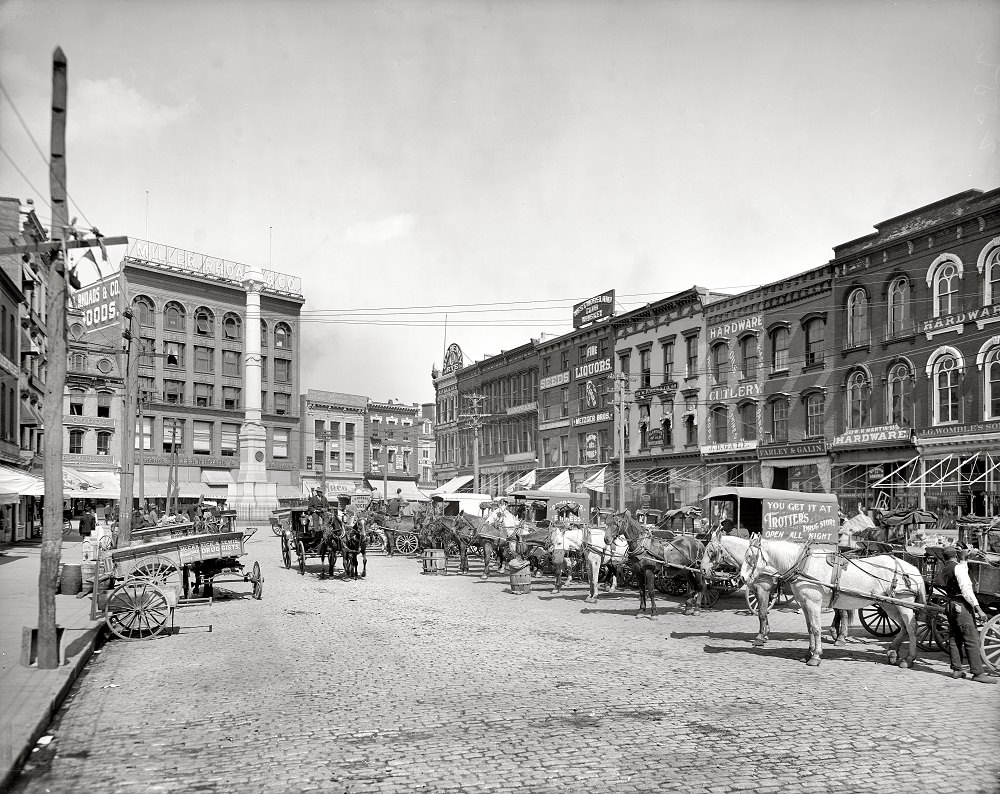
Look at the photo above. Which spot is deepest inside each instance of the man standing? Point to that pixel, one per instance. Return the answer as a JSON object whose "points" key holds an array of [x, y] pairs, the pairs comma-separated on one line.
{"points": [[394, 511], [88, 523], [962, 605]]}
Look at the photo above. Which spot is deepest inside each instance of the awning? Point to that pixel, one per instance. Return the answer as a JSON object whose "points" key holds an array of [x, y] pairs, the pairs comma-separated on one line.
{"points": [[409, 489], [455, 484], [103, 484], [151, 489], [30, 416], [217, 477], [20, 483], [560, 482], [525, 481], [595, 482]]}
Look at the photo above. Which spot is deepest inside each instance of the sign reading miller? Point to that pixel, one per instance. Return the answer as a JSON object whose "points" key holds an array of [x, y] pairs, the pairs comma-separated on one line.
{"points": [[593, 309]]}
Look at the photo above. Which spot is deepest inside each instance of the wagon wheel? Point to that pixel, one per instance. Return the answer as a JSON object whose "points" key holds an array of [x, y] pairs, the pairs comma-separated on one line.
{"points": [[406, 542], [989, 643], [159, 570], [137, 611], [877, 621], [711, 598], [301, 551], [474, 550], [374, 540], [257, 579], [286, 552], [752, 599], [932, 630]]}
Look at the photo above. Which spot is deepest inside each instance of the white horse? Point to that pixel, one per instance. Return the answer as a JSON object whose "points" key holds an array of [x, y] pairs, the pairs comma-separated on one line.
{"points": [[819, 578], [596, 552]]}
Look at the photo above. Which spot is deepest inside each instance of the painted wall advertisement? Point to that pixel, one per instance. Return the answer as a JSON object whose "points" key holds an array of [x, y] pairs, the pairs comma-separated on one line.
{"points": [[800, 521], [99, 303]]}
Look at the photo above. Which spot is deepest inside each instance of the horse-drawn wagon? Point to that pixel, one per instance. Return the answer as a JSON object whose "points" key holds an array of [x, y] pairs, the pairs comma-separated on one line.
{"points": [[152, 577]]}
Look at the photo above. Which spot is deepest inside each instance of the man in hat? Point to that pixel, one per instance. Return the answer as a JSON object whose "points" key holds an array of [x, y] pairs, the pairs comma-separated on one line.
{"points": [[394, 510], [962, 606]]}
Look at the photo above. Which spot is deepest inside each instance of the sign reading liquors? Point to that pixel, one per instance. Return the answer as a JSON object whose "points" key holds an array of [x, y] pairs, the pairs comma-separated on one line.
{"points": [[800, 520], [593, 309], [592, 368]]}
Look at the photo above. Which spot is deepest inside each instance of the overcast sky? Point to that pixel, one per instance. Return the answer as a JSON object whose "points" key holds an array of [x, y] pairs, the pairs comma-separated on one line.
{"points": [[408, 159]]}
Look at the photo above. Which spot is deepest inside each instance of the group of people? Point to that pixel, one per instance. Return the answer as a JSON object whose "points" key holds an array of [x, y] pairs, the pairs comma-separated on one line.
{"points": [[390, 514]]}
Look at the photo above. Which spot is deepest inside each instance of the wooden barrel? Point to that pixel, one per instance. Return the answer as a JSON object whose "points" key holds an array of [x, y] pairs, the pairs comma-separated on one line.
{"points": [[435, 561], [87, 575], [71, 579], [520, 581]]}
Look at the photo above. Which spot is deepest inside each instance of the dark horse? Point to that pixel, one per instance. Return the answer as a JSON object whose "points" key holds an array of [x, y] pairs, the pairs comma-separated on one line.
{"points": [[332, 540], [353, 542], [680, 557]]}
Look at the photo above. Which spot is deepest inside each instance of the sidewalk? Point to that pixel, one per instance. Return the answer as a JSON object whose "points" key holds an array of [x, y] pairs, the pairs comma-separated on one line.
{"points": [[29, 697]]}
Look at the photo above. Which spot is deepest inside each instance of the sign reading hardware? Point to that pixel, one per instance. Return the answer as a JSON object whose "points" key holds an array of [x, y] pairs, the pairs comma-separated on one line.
{"points": [[860, 436], [593, 309], [589, 419], [736, 327]]}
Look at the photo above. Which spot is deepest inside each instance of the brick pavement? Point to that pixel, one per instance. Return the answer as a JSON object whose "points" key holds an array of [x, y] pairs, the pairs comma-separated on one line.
{"points": [[406, 682]]}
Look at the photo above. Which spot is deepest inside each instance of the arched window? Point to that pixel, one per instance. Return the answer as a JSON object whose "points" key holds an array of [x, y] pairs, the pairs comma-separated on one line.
{"points": [[900, 395], [858, 397], [899, 306], [748, 357], [779, 419], [232, 327], [815, 331], [748, 421], [103, 443], [857, 319], [780, 340], [78, 362], [720, 424], [720, 363], [145, 311], [282, 337], [815, 404], [204, 322], [173, 317], [263, 335], [946, 279], [991, 379], [946, 382]]}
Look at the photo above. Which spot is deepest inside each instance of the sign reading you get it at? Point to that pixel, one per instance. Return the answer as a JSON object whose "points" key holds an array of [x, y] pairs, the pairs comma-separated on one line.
{"points": [[800, 521]]}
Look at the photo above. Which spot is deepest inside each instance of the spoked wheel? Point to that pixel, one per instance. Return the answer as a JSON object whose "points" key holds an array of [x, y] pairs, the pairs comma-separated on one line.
{"points": [[286, 552], [452, 549], [301, 549], [474, 550], [159, 570], [137, 610], [989, 643], [932, 630], [257, 579], [276, 529], [877, 621], [406, 542], [711, 597], [772, 598], [628, 577], [374, 540]]}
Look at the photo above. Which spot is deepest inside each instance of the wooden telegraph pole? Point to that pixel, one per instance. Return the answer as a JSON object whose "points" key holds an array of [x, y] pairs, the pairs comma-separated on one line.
{"points": [[58, 278], [475, 422], [622, 386], [128, 422]]}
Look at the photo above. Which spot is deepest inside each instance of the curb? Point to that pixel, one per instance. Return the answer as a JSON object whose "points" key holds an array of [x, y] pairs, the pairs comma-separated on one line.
{"points": [[47, 712]]}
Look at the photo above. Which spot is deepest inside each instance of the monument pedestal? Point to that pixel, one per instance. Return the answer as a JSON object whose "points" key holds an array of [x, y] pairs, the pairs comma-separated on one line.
{"points": [[253, 501]]}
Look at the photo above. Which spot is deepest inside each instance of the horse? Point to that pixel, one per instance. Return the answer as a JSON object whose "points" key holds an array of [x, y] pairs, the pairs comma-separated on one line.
{"points": [[536, 544], [493, 534], [598, 554], [331, 541], [646, 555], [819, 578], [353, 543]]}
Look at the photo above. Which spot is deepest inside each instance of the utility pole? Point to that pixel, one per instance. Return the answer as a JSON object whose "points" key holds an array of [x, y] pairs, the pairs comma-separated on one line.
{"points": [[59, 278], [141, 471], [476, 421], [622, 388], [172, 484], [325, 437], [131, 372], [385, 469]]}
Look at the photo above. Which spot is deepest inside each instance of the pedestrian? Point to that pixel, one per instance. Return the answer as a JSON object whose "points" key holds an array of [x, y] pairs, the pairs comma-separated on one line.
{"points": [[88, 523], [152, 517], [394, 510], [962, 605]]}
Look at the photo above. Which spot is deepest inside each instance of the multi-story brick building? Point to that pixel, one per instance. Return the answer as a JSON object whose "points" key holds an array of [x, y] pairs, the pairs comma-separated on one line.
{"points": [[335, 456], [917, 409], [426, 448], [393, 441]]}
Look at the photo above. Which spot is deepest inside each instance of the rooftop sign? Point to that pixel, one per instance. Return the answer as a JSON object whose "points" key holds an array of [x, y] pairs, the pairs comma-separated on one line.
{"points": [[594, 309]]}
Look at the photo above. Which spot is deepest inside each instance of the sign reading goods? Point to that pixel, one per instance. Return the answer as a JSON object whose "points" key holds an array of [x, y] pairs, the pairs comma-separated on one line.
{"points": [[99, 302]]}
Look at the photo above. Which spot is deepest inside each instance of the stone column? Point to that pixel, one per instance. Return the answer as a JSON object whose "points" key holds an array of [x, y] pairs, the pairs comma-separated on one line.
{"points": [[252, 496]]}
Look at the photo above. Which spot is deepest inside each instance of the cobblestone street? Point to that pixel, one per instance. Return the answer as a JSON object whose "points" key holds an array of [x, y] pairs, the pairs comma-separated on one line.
{"points": [[411, 682]]}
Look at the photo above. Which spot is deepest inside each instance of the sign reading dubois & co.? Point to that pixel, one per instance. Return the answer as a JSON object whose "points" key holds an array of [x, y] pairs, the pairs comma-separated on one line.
{"points": [[593, 309]]}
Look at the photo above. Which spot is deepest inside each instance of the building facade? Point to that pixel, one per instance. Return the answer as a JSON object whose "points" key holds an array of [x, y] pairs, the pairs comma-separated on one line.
{"points": [[190, 324], [918, 349], [393, 443], [426, 447], [333, 448]]}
